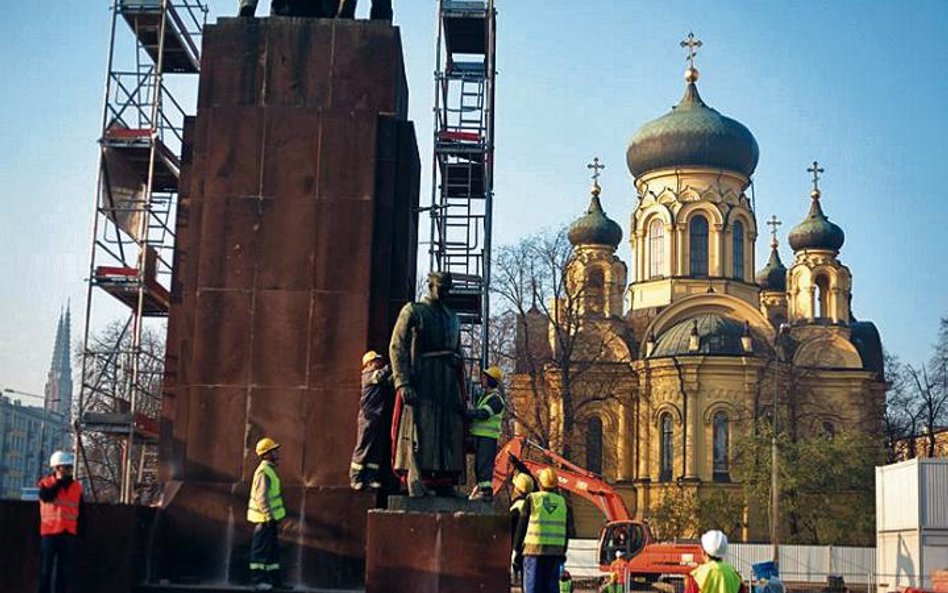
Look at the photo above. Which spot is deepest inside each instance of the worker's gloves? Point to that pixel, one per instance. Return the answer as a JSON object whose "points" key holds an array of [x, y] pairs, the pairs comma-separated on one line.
{"points": [[476, 414], [409, 397], [64, 481]]}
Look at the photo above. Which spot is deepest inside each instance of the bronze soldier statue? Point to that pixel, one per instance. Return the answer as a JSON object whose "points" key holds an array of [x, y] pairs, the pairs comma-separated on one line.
{"points": [[425, 354]]}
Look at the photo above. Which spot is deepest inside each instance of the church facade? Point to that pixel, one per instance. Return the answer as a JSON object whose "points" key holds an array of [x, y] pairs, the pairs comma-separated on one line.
{"points": [[701, 347]]}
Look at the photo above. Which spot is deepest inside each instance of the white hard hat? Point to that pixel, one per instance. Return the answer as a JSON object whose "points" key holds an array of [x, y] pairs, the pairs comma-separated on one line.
{"points": [[62, 458], [714, 543]]}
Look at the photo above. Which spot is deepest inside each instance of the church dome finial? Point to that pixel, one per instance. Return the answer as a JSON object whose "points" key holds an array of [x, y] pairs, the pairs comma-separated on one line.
{"points": [[692, 134], [595, 228], [773, 276], [816, 231]]}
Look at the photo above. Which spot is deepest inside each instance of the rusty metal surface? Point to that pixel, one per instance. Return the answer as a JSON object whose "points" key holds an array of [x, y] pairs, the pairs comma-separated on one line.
{"points": [[437, 552], [297, 229], [111, 555]]}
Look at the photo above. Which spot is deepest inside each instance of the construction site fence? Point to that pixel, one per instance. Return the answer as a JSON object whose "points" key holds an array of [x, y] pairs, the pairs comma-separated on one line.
{"points": [[798, 564]]}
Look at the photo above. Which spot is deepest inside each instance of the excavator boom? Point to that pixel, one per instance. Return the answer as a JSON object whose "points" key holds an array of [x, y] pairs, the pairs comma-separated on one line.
{"points": [[524, 455]]}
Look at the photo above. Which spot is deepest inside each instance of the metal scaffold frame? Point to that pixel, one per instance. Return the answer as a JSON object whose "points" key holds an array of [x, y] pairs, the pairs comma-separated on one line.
{"points": [[133, 230], [462, 176]]}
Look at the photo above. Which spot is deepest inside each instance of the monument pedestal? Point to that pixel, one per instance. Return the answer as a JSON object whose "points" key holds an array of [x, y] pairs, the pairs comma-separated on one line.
{"points": [[426, 551], [296, 247]]}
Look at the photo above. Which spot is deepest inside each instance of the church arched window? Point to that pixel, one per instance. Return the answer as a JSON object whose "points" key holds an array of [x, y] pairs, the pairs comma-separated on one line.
{"points": [[720, 440], [594, 445], [698, 240], [738, 235], [595, 278], [656, 247], [822, 298], [666, 455]]}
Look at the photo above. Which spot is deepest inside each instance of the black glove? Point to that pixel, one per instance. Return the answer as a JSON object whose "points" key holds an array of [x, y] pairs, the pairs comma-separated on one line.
{"points": [[470, 414], [64, 481]]}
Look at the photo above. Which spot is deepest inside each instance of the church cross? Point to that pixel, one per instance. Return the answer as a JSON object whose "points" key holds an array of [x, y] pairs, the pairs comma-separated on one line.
{"points": [[596, 166], [773, 223], [816, 170], [692, 43]]}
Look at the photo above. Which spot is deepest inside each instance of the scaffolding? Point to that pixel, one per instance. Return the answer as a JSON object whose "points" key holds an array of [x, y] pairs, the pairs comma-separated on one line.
{"points": [[462, 176], [133, 233]]}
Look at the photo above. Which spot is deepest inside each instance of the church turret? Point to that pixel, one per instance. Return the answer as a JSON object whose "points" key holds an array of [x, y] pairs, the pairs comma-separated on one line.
{"points": [[693, 229], [595, 267], [772, 279], [819, 285]]}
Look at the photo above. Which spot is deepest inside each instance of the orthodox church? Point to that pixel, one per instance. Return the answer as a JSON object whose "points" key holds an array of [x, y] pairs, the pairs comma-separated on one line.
{"points": [[699, 346]]}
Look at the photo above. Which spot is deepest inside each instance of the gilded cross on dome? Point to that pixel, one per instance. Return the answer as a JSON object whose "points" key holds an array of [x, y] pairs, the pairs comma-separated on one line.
{"points": [[816, 170], [773, 223], [692, 43], [596, 166]]}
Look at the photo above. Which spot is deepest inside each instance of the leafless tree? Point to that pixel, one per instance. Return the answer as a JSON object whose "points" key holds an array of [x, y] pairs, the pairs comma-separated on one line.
{"points": [[563, 356], [108, 386]]}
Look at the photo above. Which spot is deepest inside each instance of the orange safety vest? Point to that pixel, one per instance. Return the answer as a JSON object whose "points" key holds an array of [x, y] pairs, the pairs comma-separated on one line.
{"points": [[618, 569], [62, 514]]}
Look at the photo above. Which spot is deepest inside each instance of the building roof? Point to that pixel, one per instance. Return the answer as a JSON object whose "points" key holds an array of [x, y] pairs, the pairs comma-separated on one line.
{"points": [[594, 227], [693, 134], [865, 337], [816, 231], [718, 335], [773, 276]]}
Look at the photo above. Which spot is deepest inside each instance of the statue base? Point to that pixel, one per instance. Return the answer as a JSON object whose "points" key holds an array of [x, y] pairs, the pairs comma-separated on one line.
{"points": [[437, 552], [440, 504]]}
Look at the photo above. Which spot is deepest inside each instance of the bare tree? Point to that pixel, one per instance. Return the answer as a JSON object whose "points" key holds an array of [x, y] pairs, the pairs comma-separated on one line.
{"points": [[566, 358], [917, 402], [109, 384]]}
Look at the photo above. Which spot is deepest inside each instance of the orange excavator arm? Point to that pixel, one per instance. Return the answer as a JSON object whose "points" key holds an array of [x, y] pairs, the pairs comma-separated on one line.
{"points": [[522, 455]]}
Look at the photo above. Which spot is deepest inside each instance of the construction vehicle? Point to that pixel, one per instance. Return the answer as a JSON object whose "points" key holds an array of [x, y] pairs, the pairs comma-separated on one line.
{"points": [[647, 560]]}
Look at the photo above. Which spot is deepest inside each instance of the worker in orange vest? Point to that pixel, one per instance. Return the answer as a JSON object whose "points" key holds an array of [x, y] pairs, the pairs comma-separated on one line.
{"points": [[618, 575], [714, 575], [61, 523]]}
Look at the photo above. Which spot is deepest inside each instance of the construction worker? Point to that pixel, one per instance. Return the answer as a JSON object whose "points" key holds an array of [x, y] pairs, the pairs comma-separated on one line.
{"points": [[714, 575], [265, 510], [522, 486], [374, 423], [61, 523], [486, 420], [541, 534], [618, 575]]}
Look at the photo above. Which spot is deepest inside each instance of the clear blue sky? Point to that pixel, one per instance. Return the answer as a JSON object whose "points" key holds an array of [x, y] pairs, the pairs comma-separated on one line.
{"points": [[857, 84]]}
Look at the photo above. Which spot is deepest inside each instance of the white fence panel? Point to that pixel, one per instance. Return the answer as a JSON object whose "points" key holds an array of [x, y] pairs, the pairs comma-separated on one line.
{"points": [[811, 564]]}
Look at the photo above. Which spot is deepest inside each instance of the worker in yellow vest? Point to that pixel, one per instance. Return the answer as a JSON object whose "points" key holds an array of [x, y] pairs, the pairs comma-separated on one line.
{"points": [[522, 486], [541, 534], [714, 575], [486, 422], [265, 510]]}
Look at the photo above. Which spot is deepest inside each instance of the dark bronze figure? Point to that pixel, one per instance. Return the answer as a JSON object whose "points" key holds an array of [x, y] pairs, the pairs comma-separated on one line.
{"points": [[425, 353]]}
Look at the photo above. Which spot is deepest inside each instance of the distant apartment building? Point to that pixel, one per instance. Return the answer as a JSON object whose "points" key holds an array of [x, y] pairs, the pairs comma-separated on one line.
{"points": [[30, 434]]}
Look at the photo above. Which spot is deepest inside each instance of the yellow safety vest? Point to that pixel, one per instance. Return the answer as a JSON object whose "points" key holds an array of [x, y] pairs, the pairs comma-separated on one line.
{"points": [[546, 529], [274, 494], [489, 428], [716, 576]]}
